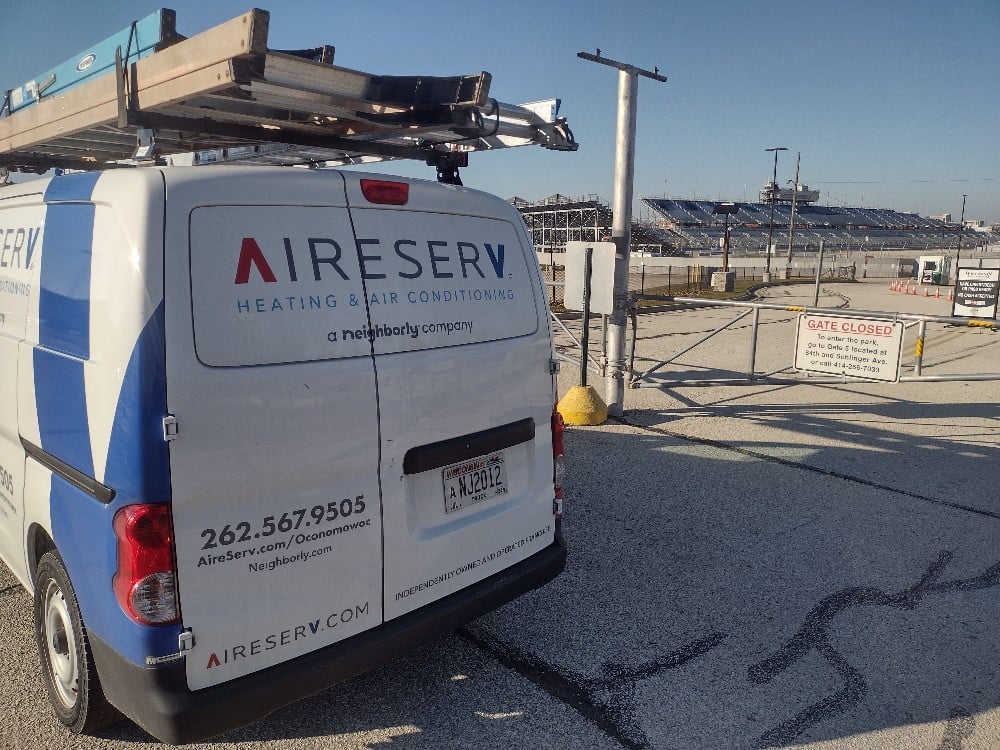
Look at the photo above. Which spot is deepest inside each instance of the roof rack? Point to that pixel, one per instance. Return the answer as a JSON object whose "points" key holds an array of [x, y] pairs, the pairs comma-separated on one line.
{"points": [[223, 96]]}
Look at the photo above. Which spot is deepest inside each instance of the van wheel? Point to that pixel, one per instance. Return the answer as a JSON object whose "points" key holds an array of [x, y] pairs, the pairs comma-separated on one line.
{"points": [[67, 664]]}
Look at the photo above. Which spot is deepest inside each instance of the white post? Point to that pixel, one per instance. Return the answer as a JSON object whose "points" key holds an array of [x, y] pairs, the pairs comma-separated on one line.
{"points": [[614, 391]]}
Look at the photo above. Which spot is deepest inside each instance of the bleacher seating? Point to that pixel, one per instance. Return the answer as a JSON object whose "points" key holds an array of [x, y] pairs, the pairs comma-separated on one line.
{"points": [[681, 226], [843, 227]]}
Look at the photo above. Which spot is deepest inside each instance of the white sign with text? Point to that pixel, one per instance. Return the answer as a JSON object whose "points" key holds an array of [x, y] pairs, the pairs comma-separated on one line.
{"points": [[602, 276], [853, 347]]}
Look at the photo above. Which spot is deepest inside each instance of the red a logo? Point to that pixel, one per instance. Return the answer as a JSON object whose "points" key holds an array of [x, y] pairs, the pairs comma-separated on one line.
{"points": [[250, 252]]}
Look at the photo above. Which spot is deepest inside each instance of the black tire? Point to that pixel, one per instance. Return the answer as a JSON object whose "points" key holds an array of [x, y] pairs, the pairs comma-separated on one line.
{"points": [[64, 651]]}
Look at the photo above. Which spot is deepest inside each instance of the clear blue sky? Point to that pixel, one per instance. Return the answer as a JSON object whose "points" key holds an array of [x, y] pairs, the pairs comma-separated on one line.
{"points": [[892, 103]]}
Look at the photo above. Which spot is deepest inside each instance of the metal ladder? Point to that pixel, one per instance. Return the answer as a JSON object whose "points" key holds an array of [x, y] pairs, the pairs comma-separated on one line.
{"points": [[224, 96]]}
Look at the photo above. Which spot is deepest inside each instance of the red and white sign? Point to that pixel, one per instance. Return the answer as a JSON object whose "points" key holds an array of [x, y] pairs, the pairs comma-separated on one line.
{"points": [[852, 347]]}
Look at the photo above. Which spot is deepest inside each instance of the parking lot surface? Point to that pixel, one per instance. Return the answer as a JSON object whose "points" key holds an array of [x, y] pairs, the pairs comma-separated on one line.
{"points": [[751, 566]]}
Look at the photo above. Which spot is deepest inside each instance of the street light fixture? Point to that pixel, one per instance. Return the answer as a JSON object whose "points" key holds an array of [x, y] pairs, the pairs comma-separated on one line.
{"points": [[774, 195]]}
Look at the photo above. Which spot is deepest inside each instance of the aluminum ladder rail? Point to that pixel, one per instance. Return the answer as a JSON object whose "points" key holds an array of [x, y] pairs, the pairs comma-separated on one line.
{"points": [[224, 89]]}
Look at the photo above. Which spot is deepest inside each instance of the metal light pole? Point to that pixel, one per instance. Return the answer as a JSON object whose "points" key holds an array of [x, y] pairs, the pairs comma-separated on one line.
{"points": [[727, 210], [961, 226], [795, 195], [628, 89], [770, 228]]}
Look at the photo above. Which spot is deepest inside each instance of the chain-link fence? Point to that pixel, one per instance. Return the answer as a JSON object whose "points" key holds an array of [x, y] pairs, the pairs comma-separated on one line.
{"points": [[678, 280]]}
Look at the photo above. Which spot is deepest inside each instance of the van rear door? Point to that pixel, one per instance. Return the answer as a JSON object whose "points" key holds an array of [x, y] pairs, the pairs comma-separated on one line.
{"points": [[274, 464], [462, 352]]}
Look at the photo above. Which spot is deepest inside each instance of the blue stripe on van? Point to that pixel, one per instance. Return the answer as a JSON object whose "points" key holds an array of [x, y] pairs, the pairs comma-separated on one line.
{"points": [[61, 404], [64, 321], [138, 464], [72, 187], [64, 295]]}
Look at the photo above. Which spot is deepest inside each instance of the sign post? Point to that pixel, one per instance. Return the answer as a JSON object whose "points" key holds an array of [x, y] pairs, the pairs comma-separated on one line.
{"points": [[585, 340], [590, 269]]}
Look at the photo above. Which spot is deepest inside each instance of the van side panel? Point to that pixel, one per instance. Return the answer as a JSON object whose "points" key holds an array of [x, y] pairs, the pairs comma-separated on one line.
{"points": [[21, 220], [137, 470], [91, 384], [64, 321]]}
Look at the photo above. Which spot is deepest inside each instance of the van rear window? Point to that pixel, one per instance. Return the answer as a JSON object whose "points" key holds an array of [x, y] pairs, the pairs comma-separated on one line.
{"points": [[276, 284]]}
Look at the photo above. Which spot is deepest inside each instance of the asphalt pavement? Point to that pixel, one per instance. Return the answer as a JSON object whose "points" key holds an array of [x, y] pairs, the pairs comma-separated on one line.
{"points": [[791, 565]]}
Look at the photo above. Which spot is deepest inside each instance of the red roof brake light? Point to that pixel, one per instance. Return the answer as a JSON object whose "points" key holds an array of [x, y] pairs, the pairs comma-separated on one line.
{"points": [[384, 191]]}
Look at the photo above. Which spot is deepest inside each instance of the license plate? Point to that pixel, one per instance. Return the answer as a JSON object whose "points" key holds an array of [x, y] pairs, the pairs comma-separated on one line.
{"points": [[474, 481]]}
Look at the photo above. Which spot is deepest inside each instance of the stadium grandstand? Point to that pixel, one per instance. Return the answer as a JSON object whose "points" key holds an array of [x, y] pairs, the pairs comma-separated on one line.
{"points": [[559, 218], [680, 227]]}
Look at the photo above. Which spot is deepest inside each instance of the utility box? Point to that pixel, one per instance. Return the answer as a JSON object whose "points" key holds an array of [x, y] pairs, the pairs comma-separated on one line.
{"points": [[723, 281], [934, 269], [602, 276]]}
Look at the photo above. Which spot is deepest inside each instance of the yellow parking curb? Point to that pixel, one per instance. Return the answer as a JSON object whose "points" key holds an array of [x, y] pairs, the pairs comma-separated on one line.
{"points": [[581, 405]]}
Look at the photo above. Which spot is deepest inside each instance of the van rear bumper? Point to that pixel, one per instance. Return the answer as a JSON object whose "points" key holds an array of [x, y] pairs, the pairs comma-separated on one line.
{"points": [[157, 699]]}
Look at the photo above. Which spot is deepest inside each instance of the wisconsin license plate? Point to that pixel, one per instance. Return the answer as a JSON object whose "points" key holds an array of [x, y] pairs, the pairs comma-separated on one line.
{"points": [[474, 481]]}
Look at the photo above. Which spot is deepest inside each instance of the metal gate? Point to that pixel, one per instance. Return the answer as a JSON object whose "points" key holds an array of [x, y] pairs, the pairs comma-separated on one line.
{"points": [[788, 373], [923, 334]]}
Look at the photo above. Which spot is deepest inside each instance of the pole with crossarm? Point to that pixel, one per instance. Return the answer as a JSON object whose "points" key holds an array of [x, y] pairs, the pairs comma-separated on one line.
{"points": [[628, 89]]}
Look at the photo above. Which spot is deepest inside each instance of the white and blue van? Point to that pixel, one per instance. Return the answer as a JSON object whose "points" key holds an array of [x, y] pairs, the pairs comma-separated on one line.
{"points": [[263, 428]]}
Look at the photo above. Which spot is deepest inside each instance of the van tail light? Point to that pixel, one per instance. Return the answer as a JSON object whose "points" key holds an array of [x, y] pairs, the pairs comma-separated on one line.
{"points": [[145, 583], [383, 191], [558, 462]]}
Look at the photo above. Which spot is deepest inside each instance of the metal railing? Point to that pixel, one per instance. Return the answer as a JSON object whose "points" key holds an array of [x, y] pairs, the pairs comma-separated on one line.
{"points": [[752, 376]]}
